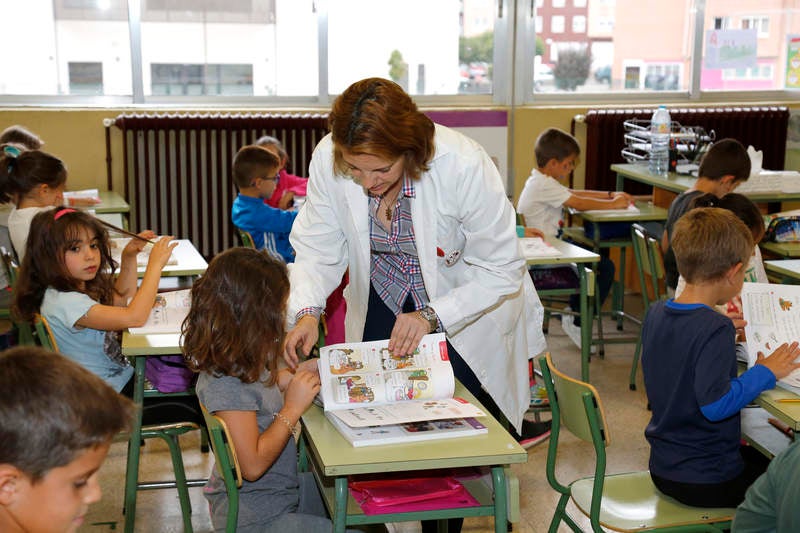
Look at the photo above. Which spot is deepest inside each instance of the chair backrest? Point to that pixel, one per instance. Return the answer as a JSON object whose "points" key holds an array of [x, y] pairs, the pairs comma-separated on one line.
{"points": [[44, 333], [247, 239], [649, 264], [227, 463], [10, 265]]}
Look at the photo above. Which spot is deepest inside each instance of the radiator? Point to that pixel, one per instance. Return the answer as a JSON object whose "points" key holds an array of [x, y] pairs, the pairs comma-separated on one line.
{"points": [[763, 127], [177, 168]]}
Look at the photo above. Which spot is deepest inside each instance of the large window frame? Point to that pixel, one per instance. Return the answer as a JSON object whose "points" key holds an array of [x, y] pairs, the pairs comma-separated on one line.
{"points": [[514, 33]]}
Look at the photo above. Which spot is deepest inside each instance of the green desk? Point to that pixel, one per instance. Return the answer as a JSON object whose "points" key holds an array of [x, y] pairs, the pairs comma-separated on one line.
{"points": [[786, 250], [787, 269], [111, 202], [571, 254], [647, 213], [334, 459], [187, 260]]}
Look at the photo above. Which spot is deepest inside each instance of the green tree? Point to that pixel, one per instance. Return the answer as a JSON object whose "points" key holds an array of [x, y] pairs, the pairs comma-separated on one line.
{"points": [[539, 46], [479, 48], [398, 69], [572, 68]]}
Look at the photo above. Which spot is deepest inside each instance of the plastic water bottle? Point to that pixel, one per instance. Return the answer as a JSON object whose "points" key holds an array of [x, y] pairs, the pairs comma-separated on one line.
{"points": [[660, 127]]}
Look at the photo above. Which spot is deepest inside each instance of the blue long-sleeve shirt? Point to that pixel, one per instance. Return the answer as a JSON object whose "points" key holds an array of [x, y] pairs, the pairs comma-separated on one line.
{"points": [[268, 225]]}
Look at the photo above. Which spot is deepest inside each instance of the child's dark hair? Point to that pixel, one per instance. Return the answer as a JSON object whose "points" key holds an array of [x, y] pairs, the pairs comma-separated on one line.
{"points": [[740, 205], [52, 409], [554, 143], [235, 326], [20, 135], [23, 170], [726, 157], [269, 140], [52, 233], [253, 162]]}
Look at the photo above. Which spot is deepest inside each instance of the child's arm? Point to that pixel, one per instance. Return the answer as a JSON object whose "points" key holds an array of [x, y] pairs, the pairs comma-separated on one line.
{"points": [[111, 317], [257, 452], [533, 232], [601, 195], [286, 375], [126, 284], [612, 200]]}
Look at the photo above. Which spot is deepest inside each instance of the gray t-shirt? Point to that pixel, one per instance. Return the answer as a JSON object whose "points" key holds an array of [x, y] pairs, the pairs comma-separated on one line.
{"points": [[276, 492]]}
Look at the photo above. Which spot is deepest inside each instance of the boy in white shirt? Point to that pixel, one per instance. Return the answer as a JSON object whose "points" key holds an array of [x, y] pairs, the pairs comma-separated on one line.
{"points": [[542, 202]]}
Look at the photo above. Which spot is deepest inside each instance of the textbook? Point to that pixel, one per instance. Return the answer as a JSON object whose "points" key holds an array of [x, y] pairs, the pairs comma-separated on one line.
{"points": [[533, 247], [409, 432], [772, 313], [364, 384], [117, 244], [169, 311]]}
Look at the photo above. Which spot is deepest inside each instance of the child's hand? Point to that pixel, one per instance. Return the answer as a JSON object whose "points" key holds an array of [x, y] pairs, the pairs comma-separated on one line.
{"points": [[782, 361], [629, 199], [533, 232], [301, 391], [620, 201], [135, 246], [309, 365], [161, 251], [286, 200]]}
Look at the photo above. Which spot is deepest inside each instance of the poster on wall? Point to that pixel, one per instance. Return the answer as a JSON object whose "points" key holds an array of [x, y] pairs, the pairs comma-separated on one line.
{"points": [[793, 61], [731, 48]]}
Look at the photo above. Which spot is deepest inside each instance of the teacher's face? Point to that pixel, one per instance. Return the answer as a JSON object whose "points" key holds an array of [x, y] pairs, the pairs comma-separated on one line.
{"points": [[377, 175]]}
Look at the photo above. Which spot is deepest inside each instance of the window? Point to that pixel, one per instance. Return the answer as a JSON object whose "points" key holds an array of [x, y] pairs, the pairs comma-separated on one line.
{"points": [[85, 78], [579, 24], [760, 24], [722, 23], [538, 24], [579, 3], [662, 77], [559, 3], [201, 80], [557, 24]]}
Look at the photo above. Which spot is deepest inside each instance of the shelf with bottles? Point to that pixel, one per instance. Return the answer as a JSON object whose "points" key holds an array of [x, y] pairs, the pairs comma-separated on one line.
{"points": [[690, 142]]}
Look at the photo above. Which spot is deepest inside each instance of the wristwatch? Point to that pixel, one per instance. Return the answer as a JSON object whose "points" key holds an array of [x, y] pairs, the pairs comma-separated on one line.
{"points": [[429, 315]]}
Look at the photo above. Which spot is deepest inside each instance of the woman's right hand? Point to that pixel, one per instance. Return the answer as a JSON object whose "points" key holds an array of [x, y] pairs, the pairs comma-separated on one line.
{"points": [[301, 391], [162, 249], [302, 336]]}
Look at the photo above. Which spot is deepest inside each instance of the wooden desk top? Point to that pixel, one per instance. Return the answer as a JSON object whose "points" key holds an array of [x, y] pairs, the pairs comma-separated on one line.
{"points": [[647, 212], [337, 457], [111, 202], [150, 344], [569, 254]]}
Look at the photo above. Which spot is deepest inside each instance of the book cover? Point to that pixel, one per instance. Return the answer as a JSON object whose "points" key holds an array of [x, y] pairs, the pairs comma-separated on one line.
{"points": [[409, 432], [169, 311]]}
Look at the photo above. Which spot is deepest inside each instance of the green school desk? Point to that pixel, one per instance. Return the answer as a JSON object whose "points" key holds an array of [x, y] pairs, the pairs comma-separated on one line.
{"points": [[138, 347], [647, 213], [788, 270], [784, 250], [334, 460], [186, 261], [111, 202], [571, 254]]}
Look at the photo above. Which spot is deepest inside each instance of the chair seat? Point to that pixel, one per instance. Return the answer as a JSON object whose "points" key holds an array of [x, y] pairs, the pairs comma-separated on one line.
{"points": [[632, 503]]}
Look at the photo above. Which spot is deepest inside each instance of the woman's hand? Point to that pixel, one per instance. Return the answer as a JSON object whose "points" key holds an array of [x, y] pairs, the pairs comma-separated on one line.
{"points": [[301, 391], [409, 328], [162, 249], [782, 361], [135, 246], [302, 336]]}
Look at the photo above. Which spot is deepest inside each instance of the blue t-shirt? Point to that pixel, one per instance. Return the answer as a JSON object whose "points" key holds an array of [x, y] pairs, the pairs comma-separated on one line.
{"points": [[97, 351], [268, 225], [689, 367]]}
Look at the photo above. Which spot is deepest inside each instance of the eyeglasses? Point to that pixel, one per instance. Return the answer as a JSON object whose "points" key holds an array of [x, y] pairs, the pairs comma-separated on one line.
{"points": [[276, 178]]}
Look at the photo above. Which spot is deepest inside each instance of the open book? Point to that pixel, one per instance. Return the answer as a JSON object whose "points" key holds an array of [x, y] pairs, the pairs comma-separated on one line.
{"points": [[533, 247], [772, 313], [169, 311], [117, 244], [363, 384]]}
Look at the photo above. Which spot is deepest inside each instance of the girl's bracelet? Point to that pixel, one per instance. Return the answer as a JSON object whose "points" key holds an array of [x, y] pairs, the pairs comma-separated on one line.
{"points": [[292, 429]]}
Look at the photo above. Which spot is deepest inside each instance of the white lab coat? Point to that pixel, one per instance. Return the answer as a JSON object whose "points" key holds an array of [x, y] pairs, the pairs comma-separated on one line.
{"points": [[485, 299]]}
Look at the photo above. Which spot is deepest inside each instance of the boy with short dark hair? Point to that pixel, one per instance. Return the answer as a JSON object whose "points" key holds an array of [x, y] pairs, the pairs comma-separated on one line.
{"points": [[57, 420], [690, 370], [723, 168], [256, 174], [541, 204]]}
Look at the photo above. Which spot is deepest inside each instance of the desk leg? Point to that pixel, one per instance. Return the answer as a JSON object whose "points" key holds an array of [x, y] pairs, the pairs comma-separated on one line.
{"points": [[621, 293], [500, 499], [586, 321], [134, 446], [340, 505], [620, 181]]}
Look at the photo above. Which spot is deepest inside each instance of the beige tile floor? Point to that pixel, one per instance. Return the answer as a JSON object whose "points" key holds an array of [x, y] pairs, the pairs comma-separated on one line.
{"points": [[159, 510]]}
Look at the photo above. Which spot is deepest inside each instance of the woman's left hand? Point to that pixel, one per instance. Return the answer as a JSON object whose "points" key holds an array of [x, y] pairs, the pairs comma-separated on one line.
{"points": [[135, 246], [409, 328]]}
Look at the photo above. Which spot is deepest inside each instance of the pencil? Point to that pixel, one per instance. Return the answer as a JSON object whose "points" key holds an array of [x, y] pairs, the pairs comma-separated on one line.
{"points": [[788, 400], [124, 232]]}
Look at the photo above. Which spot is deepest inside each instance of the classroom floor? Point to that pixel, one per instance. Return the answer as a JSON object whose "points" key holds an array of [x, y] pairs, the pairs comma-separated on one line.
{"points": [[159, 510]]}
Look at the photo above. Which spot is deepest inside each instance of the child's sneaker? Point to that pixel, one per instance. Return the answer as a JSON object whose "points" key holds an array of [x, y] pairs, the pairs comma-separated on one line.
{"points": [[534, 433], [573, 331]]}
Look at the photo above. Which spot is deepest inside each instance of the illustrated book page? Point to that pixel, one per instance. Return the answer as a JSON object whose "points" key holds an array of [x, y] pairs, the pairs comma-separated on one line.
{"points": [[772, 313], [169, 311], [364, 384], [410, 432]]}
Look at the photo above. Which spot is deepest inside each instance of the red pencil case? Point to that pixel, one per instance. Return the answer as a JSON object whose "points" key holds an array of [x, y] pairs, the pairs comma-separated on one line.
{"points": [[408, 495]]}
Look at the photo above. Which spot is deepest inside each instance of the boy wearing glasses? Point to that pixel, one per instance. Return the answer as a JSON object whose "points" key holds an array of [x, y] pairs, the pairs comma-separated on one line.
{"points": [[255, 173]]}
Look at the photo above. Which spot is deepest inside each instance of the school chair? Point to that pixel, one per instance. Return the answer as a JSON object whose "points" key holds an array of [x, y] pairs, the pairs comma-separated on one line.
{"points": [[652, 279], [227, 464], [23, 329], [246, 238], [619, 502], [169, 433]]}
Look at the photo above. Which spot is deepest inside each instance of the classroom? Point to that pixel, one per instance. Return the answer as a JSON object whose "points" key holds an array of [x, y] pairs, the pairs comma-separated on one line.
{"points": [[147, 106]]}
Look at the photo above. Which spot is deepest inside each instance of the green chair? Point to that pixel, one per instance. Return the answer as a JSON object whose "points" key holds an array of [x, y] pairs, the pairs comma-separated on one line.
{"points": [[169, 433], [652, 279], [619, 502], [227, 464], [246, 238]]}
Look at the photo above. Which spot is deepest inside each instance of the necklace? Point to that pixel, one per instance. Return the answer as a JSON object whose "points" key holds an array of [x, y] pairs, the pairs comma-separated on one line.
{"points": [[389, 206]]}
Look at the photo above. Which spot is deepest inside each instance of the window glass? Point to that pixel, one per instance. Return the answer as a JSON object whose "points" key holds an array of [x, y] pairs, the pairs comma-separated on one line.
{"points": [[557, 24], [579, 24], [449, 50], [229, 48], [60, 47]]}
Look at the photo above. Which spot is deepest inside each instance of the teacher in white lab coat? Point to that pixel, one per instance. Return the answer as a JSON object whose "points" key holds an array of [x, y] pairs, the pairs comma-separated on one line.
{"points": [[419, 215]]}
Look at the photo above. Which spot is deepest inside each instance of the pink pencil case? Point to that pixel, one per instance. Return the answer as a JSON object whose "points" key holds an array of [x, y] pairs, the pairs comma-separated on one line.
{"points": [[409, 495]]}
